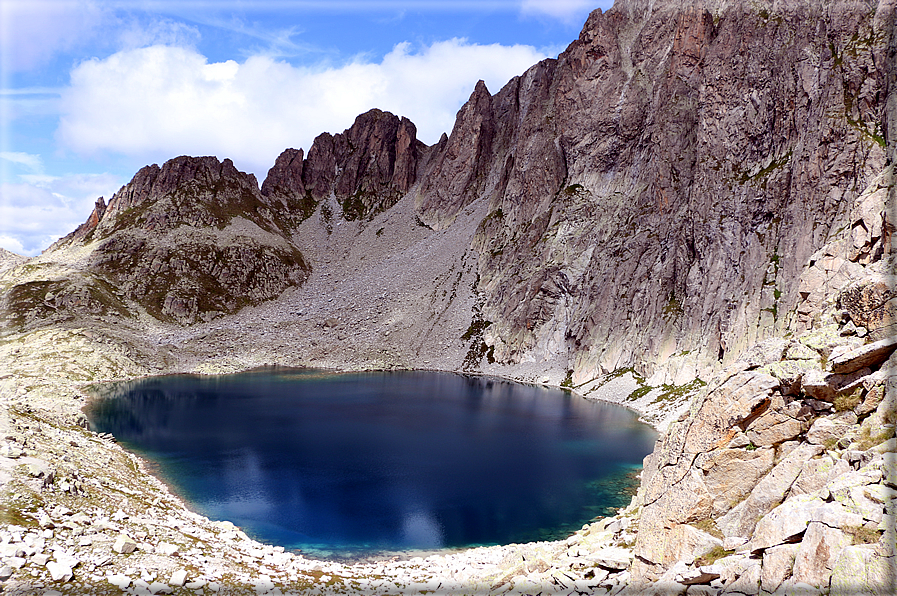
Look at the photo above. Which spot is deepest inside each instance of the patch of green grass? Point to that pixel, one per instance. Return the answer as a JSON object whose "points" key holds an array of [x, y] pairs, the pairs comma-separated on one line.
{"points": [[709, 526], [573, 189], [848, 401], [713, 555], [639, 393], [867, 440], [477, 326], [673, 308], [862, 534], [568, 380]]}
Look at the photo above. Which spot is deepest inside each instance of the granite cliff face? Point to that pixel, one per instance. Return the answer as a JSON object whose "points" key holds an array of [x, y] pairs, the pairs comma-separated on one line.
{"points": [[655, 192]]}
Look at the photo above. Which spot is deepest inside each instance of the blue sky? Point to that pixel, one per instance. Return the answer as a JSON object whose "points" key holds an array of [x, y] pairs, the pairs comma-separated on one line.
{"points": [[92, 90]]}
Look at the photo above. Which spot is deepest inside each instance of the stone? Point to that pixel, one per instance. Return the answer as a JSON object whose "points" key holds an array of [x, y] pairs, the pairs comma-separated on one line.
{"points": [[871, 304], [869, 355], [748, 582], [119, 580], [178, 578], [6, 572], [827, 431], [10, 451], [826, 386], [612, 558], [40, 559], [871, 401], [701, 575], [731, 474], [778, 562], [16, 562], [769, 492], [789, 520], [166, 548], [773, 427], [124, 545], [859, 570], [160, 588], [59, 571], [818, 552], [817, 473]]}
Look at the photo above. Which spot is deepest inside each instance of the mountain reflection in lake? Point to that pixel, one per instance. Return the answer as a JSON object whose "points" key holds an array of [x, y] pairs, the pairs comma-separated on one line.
{"points": [[357, 463]]}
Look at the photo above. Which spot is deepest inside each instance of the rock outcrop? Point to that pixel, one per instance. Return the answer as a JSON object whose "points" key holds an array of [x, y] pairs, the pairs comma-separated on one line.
{"points": [[786, 456], [655, 192], [185, 242], [367, 168]]}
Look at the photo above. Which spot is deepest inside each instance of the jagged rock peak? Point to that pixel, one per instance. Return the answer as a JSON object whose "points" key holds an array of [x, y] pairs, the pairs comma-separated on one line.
{"points": [[153, 181], [368, 167]]}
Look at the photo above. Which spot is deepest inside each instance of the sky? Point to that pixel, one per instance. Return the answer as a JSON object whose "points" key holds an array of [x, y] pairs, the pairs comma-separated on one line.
{"points": [[93, 90]]}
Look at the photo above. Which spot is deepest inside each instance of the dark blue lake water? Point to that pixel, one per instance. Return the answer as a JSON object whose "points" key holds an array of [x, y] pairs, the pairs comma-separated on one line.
{"points": [[364, 463]]}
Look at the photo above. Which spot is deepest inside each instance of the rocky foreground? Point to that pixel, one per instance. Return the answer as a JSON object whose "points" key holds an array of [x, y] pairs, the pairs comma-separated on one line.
{"points": [[689, 212]]}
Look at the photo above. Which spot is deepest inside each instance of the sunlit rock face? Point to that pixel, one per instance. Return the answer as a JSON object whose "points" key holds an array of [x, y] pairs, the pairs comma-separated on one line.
{"points": [[656, 191], [187, 241]]}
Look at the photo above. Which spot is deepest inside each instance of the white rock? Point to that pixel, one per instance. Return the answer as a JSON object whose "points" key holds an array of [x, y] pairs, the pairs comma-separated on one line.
{"points": [[119, 580], [59, 571], [612, 557], [6, 572], [124, 545], [166, 548], [16, 562], [178, 578], [40, 559], [160, 588]]}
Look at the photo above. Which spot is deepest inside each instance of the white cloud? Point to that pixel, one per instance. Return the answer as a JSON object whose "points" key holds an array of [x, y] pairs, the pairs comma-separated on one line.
{"points": [[32, 31], [568, 11], [32, 162], [163, 101], [136, 34], [11, 244], [34, 215]]}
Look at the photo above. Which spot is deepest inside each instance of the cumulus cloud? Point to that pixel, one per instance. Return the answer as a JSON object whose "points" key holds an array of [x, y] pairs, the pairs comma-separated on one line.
{"points": [[35, 214], [164, 101]]}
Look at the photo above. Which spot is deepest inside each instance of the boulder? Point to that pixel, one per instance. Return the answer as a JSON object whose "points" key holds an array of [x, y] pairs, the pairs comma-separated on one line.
{"points": [[178, 578], [748, 582], [773, 427], [827, 431], [778, 562], [768, 493], [789, 520], [861, 571], [816, 473], [119, 580], [867, 356], [700, 575], [731, 474], [59, 571], [826, 386], [612, 558], [818, 552], [124, 545]]}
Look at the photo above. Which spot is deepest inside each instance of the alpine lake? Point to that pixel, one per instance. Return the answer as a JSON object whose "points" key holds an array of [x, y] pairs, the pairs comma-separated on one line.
{"points": [[354, 465]]}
